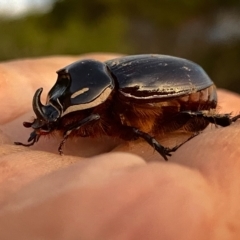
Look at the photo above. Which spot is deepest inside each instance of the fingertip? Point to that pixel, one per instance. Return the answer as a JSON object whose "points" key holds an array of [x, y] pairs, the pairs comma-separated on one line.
{"points": [[119, 159]]}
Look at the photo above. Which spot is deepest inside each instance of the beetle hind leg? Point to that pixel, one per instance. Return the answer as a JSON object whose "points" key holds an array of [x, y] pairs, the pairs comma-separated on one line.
{"points": [[234, 119], [222, 120], [179, 145]]}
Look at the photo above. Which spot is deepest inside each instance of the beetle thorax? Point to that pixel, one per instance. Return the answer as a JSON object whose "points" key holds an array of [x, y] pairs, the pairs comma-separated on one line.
{"points": [[83, 106]]}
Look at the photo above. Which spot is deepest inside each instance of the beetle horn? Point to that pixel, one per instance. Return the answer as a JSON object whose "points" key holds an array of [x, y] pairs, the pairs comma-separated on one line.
{"points": [[37, 105]]}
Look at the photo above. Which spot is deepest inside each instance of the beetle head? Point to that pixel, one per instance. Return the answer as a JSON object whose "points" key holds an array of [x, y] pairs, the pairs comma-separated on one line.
{"points": [[81, 86], [46, 118], [46, 114]]}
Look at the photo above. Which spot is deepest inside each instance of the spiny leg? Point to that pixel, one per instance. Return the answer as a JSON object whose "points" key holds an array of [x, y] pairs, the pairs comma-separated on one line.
{"points": [[191, 137], [34, 137], [164, 151], [222, 120], [60, 148], [75, 126], [153, 142], [234, 119], [218, 119]]}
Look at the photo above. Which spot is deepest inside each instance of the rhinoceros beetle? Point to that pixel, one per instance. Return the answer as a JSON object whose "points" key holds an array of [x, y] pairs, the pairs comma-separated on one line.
{"points": [[139, 96]]}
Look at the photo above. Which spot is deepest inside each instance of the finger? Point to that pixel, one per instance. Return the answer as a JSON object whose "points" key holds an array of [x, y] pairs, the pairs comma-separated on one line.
{"points": [[152, 201], [18, 170]]}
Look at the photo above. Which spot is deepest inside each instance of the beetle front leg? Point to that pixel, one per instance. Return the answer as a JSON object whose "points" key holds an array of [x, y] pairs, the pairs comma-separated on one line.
{"points": [[75, 126], [34, 137]]}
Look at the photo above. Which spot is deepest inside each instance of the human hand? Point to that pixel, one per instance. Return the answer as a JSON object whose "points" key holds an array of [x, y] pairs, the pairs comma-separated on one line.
{"points": [[114, 195]]}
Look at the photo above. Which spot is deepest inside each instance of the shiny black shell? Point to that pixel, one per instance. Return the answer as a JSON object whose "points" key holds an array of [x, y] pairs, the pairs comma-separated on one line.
{"points": [[89, 78], [146, 78], [157, 76]]}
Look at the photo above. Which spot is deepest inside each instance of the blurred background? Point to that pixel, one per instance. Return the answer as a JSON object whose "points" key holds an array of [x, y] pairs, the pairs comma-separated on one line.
{"points": [[204, 31]]}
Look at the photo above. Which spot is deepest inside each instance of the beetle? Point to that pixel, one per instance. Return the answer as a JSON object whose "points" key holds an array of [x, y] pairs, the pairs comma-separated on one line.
{"points": [[131, 97]]}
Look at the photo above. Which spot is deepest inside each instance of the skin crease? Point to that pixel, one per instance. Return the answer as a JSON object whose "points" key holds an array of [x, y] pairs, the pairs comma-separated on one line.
{"points": [[127, 193]]}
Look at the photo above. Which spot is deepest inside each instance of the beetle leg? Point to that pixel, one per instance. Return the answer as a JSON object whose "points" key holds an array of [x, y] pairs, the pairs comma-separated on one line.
{"points": [[32, 139], [154, 143], [234, 119], [164, 151], [178, 146], [75, 126], [65, 137], [223, 120]]}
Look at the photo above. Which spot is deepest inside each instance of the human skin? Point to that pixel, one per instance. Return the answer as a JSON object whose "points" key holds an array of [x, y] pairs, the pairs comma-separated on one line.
{"points": [[104, 189]]}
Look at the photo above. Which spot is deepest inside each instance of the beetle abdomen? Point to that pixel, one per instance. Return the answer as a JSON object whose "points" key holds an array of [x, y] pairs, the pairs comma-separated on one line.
{"points": [[166, 116], [202, 100]]}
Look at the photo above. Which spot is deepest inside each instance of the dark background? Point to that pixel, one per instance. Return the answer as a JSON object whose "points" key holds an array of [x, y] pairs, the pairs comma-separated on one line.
{"points": [[204, 31]]}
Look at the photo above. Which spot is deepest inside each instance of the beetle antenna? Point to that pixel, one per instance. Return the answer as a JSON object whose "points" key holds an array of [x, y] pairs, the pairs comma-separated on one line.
{"points": [[37, 105]]}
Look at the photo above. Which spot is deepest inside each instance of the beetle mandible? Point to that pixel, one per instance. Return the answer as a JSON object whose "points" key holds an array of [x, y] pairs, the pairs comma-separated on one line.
{"points": [[139, 96]]}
